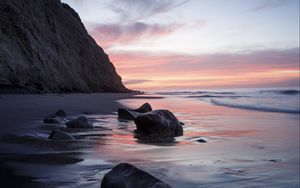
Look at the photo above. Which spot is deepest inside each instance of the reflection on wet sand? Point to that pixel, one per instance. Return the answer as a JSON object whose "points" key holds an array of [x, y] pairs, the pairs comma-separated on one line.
{"points": [[242, 147]]}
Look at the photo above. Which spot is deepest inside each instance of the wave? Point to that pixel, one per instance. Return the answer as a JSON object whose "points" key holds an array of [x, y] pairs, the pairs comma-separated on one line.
{"points": [[284, 92], [258, 107], [194, 93], [215, 96]]}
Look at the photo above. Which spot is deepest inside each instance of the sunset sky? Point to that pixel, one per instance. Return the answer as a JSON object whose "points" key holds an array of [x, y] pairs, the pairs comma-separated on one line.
{"points": [[196, 44]]}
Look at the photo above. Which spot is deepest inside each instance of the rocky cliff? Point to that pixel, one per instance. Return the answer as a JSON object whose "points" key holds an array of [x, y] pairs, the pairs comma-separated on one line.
{"points": [[44, 47]]}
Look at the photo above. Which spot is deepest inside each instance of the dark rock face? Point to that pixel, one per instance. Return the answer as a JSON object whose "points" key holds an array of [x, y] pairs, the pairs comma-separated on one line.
{"points": [[60, 135], [56, 118], [44, 47], [80, 122], [158, 124], [125, 175], [131, 114]]}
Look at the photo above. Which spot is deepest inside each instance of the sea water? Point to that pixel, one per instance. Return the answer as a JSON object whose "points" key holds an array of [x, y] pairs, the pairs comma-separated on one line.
{"points": [[284, 100]]}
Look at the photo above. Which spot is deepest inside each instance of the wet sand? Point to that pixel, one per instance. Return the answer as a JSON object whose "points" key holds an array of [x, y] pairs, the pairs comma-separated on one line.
{"points": [[244, 148]]}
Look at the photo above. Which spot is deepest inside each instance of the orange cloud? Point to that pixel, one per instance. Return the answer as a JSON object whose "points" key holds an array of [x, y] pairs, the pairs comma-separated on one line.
{"points": [[144, 71]]}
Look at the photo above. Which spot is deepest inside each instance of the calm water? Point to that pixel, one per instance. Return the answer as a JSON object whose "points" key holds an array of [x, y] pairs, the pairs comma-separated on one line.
{"points": [[245, 148]]}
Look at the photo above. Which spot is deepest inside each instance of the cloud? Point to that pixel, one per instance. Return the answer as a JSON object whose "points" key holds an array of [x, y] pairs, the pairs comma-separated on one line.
{"points": [[134, 10], [109, 34], [266, 4], [268, 67]]}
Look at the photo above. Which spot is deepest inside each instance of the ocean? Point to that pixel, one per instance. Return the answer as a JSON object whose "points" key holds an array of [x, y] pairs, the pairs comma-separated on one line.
{"points": [[285, 100], [252, 139]]}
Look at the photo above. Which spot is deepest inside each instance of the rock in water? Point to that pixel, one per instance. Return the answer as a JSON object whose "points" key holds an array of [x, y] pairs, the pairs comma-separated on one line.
{"points": [[60, 135], [158, 124], [60, 113], [131, 114], [80, 122], [56, 118], [127, 114], [125, 175], [44, 47], [144, 108], [201, 140]]}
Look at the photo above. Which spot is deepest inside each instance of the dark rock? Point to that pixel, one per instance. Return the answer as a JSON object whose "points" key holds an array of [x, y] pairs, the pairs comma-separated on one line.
{"points": [[125, 175], [60, 113], [56, 118], [160, 123], [44, 47], [131, 114], [274, 160], [127, 114], [80, 122], [201, 140], [144, 108], [60, 135]]}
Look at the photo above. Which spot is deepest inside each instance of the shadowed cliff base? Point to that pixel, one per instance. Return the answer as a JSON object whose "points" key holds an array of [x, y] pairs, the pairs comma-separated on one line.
{"points": [[44, 47]]}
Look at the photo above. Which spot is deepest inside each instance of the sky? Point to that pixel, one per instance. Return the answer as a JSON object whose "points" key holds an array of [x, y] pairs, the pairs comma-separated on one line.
{"points": [[197, 44]]}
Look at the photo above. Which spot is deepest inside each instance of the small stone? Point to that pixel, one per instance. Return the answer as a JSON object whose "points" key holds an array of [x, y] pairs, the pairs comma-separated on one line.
{"points": [[60, 135], [80, 122], [201, 140]]}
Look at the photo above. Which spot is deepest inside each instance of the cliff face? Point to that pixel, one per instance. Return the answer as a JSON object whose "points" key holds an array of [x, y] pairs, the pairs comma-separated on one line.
{"points": [[44, 47]]}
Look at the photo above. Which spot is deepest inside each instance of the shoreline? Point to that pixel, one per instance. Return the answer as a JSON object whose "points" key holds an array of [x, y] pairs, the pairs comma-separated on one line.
{"points": [[22, 109], [242, 145]]}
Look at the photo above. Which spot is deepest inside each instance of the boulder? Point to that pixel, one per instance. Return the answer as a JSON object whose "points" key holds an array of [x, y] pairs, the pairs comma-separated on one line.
{"points": [[127, 114], [131, 114], [56, 118], [158, 123], [144, 108], [80, 122], [60, 135], [125, 175]]}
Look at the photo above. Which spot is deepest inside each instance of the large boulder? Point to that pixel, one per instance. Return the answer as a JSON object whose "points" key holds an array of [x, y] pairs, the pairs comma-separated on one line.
{"points": [[158, 124], [80, 122], [60, 135], [56, 118], [131, 114], [125, 175]]}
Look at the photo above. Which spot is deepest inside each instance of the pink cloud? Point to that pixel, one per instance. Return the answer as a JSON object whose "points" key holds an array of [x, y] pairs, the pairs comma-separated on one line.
{"points": [[109, 34], [181, 70]]}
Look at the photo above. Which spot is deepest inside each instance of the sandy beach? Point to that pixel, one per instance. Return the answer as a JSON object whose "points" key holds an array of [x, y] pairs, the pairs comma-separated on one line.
{"points": [[244, 148]]}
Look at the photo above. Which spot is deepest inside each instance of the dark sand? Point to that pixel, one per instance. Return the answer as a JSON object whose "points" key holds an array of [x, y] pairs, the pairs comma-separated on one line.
{"points": [[244, 148]]}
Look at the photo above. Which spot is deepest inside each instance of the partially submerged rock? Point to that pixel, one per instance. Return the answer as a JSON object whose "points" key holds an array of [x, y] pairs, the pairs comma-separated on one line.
{"points": [[125, 175], [158, 123], [80, 122], [60, 135], [60, 113], [201, 140], [131, 114], [144, 108], [56, 118], [127, 114]]}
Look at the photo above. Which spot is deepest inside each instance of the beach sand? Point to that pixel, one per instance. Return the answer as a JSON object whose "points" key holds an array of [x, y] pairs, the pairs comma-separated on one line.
{"points": [[244, 148]]}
